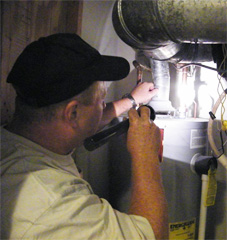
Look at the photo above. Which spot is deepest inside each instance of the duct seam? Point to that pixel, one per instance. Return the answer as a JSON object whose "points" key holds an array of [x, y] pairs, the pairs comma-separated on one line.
{"points": [[161, 24], [127, 31]]}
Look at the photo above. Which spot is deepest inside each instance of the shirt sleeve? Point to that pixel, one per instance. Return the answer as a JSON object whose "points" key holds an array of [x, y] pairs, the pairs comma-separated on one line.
{"points": [[88, 217]]}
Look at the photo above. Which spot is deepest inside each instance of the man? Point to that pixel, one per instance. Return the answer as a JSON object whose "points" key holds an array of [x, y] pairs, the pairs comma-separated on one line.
{"points": [[59, 81]]}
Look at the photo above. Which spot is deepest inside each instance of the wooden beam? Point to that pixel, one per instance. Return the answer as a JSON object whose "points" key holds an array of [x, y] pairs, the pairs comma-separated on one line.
{"points": [[24, 22]]}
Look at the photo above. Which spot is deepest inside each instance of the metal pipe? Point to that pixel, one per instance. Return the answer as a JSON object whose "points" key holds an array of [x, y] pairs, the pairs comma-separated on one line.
{"points": [[139, 72], [172, 30], [139, 67], [203, 208], [161, 79], [160, 22]]}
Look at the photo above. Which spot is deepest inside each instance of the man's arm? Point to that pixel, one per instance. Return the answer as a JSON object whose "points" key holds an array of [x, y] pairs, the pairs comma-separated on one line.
{"points": [[148, 198], [142, 93]]}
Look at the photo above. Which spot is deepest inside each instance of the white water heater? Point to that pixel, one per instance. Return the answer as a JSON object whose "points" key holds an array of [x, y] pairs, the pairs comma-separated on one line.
{"points": [[183, 138]]}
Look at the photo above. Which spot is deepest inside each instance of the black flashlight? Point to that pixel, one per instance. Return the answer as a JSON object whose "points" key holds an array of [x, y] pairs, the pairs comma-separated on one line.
{"points": [[104, 136]]}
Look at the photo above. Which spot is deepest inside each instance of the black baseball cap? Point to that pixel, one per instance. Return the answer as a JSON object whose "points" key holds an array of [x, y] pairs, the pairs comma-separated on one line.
{"points": [[60, 66]]}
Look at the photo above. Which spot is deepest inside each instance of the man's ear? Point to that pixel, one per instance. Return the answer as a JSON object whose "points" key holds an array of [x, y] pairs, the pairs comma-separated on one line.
{"points": [[70, 113]]}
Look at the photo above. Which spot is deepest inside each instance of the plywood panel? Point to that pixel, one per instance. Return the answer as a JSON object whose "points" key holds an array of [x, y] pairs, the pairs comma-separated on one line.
{"points": [[24, 22]]}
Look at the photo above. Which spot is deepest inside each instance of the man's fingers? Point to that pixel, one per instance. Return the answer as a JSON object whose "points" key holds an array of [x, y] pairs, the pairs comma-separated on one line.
{"points": [[153, 92], [133, 115], [144, 112]]}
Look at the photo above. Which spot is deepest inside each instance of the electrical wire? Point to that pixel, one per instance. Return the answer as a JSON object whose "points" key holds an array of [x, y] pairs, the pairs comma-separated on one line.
{"points": [[222, 99], [220, 156], [220, 84], [222, 143]]}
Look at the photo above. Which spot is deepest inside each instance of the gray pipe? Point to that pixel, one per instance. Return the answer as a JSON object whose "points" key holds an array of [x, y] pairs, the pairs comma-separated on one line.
{"points": [[161, 78], [185, 31], [159, 22], [168, 29]]}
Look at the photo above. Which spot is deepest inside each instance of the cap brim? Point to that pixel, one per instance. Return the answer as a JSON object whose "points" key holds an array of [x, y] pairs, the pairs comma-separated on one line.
{"points": [[108, 68]]}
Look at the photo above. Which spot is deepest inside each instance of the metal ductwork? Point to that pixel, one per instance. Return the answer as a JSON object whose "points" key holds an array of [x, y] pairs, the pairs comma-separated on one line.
{"points": [[172, 30]]}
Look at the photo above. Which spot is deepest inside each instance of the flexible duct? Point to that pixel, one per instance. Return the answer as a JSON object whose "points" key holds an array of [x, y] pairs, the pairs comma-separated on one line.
{"points": [[161, 77], [172, 30]]}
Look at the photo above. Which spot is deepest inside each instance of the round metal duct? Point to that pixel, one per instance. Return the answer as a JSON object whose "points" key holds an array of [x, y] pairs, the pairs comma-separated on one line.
{"points": [[172, 29], [160, 22]]}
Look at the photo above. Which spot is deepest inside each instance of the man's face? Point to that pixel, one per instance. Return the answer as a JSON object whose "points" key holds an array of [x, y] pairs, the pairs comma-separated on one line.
{"points": [[90, 116]]}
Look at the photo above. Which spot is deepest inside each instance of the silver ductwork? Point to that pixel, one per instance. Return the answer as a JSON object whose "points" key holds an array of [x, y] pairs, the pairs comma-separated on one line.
{"points": [[172, 30], [160, 73], [175, 31]]}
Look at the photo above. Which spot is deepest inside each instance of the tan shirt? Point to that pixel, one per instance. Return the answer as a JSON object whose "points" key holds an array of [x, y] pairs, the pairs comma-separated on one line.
{"points": [[44, 197]]}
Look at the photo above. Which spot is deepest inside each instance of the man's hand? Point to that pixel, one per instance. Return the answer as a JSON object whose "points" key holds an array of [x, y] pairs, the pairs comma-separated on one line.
{"points": [[143, 92], [143, 135], [147, 197]]}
